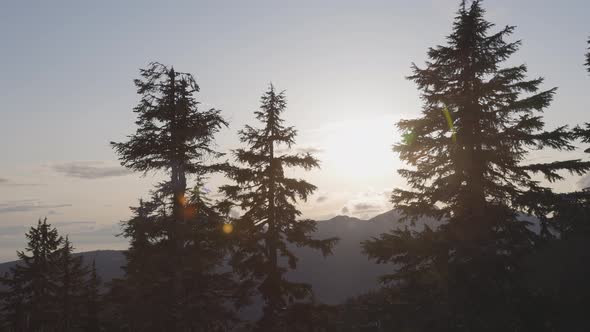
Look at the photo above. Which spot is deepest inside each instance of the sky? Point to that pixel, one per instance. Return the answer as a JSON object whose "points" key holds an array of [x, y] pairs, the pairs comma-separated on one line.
{"points": [[66, 91]]}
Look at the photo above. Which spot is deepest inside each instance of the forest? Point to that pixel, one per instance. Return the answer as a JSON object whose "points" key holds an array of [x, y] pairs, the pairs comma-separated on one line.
{"points": [[505, 251]]}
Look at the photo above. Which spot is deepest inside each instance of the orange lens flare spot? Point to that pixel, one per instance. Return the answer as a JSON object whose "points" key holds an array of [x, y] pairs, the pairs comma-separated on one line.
{"points": [[228, 228], [190, 211]]}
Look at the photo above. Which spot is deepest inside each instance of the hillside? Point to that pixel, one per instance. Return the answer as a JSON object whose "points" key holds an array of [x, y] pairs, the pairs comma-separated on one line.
{"points": [[335, 278]]}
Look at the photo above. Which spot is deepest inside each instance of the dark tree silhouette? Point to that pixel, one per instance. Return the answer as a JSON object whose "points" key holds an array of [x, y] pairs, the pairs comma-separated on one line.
{"points": [[588, 58], [92, 321], [558, 270], [71, 277], [469, 173], [13, 310], [269, 222], [171, 265], [29, 302]]}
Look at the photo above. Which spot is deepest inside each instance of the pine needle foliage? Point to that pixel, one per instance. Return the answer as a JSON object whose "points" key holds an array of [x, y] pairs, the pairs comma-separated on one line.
{"points": [[267, 197]]}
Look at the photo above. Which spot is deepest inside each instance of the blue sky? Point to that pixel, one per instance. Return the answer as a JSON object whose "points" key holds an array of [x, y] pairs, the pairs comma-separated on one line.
{"points": [[66, 91]]}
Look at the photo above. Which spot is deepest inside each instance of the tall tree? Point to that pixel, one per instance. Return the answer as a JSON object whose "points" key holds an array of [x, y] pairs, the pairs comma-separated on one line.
{"points": [[588, 58], [269, 222], [176, 137], [469, 173], [29, 301], [93, 301], [71, 280]]}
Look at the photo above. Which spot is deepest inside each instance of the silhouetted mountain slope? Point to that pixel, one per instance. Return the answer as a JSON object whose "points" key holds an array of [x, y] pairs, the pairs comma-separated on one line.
{"points": [[334, 278], [108, 263]]}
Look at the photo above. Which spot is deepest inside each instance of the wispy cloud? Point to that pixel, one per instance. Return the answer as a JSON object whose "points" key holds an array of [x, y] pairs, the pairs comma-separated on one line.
{"points": [[89, 169], [367, 204], [302, 149], [584, 182], [321, 199], [309, 149], [4, 182], [28, 206]]}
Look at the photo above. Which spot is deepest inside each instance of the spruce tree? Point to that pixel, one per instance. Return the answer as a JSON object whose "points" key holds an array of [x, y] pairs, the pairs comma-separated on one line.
{"points": [[29, 302], [468, 149], [92, 301], [13, 308], [269, 222], [559, 268], [176, 137], [134, 300], [71, 280]]}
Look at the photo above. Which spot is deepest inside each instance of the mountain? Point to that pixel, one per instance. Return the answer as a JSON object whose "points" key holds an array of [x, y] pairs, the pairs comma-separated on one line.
{"points": [[108, 263], [334, 278]]}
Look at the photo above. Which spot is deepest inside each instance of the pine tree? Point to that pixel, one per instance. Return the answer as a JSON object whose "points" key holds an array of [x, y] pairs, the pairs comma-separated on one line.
{"points": [[29, 302], [588, 58], [71, 280], [93, 302], [134, 299], [558, 270], [469, 173], [269, 222], [13, 309], [176, 137]]}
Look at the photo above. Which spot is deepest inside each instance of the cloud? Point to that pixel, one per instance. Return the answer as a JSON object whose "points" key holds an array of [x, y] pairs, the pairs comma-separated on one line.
{"points": [[367, 204], [75, 227], [28, 206], [366, 207], [302, 149], [4, 182], [309, 149], [321, 199], [89, 169], [6, 230], [584, 182], [69, 223]]}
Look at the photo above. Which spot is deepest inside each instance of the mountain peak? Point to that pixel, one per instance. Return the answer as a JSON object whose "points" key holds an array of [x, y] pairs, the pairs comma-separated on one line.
{"points": [[344, 218]]}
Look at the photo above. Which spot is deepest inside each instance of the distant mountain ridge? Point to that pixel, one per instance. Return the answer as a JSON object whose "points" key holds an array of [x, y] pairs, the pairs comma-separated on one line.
{"points": [[335, 278]]}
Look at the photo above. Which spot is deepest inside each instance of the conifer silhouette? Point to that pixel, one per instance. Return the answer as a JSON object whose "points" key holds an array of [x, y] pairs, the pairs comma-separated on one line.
{"points": [[29, 303], [462, 272], [269, 223], [92, 318], [168, 286], [71, 277]]}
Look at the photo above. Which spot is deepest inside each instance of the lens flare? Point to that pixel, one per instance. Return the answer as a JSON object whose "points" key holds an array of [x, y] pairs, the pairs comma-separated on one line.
{"points": [[181, 200], [450, 123], [228, 228]]}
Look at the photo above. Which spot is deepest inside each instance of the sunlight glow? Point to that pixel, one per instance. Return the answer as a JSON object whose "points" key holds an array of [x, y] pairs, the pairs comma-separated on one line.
{"points": [[228, 228]]}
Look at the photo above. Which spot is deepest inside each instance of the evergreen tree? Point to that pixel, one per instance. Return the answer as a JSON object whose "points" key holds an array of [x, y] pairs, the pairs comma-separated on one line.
{"points": [[176, 137], [13, 311], [588, 58], [71, 280], [269, 223], [29, 302], [93, 302], [468, 155], [559, 269], [135, 298]]}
